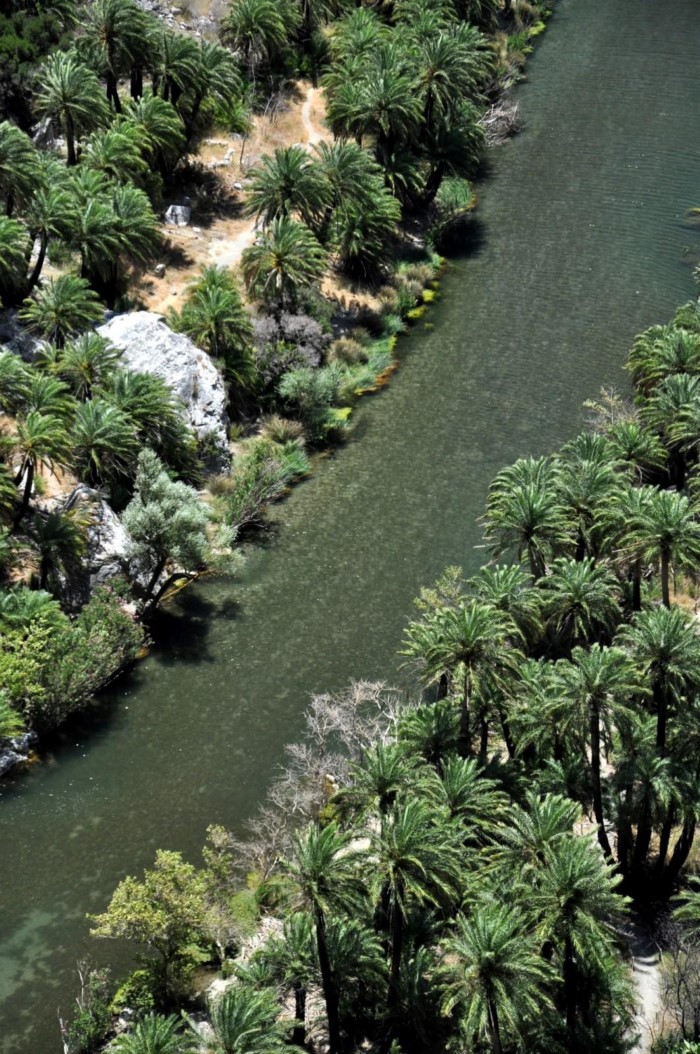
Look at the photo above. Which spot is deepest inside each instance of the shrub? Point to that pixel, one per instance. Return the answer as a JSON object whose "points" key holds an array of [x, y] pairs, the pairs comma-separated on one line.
{"points": [[311, 393], [282, 429], [347, 352]]}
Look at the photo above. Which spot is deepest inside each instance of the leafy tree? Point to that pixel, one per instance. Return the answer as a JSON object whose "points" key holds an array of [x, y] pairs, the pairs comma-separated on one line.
{"points": [[311, 393], [50, 216], [60, 538], [167, 523], [115, 29], [667, 531], [292, 960], [163, 913], [71, 94]]}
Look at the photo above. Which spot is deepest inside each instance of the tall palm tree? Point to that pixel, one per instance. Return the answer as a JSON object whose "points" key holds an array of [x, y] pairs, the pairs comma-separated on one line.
{"points": [[217, 79], [362, 234], [528, 833], [468, 795], [117, 152], [103, 441], [116, 28], [665, 646], [19, 167], [214, 318], [417, 862], [524, 513], [585, 487], [15, 247], [509, 589], [326, 871], [637, 448], [668, 533], [257, 30], [471, 641], [174, 65], [87, 363], [61, 538], [162, 129], [431, 731], [574, 903], [245, 1021], [15, 382], [61, 308], [39, 440], [70, 93], [51, 214], [286, 183], [594, 694], [287, 260], [580, 602], [494, 976], [454, 65], [375, 784], [293, 962], [154, 1034], [675, 399]]}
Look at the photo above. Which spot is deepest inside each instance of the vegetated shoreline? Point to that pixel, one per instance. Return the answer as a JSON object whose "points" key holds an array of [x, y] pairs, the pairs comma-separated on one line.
{"points": [[407, 309], [562, 684]]}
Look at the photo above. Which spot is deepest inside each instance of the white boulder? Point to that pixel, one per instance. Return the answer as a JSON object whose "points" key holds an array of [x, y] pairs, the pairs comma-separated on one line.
{"points": [[149, 346]]}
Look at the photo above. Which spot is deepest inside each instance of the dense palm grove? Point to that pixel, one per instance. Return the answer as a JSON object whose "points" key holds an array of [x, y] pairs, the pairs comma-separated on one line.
{"points": [[457, 871], [406, 85]]}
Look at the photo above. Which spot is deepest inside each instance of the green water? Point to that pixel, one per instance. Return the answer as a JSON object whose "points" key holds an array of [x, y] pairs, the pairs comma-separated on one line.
{"points": [[582, 241]]}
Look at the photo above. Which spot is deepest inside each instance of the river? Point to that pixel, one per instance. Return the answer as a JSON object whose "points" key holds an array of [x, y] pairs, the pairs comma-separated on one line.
{"points": [[582, 240]]}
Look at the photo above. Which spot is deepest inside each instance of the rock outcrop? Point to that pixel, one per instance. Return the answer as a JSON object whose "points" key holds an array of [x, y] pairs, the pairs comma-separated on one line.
{"points": [[16, 751], [150, 346]]}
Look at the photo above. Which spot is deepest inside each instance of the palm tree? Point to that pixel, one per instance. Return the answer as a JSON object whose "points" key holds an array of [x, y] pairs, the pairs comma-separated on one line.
{"points": [[15, 247], [70, 93], [20, 607], [375, 784], [19, 167], [214, 318], [471, 640], [87, 363], [524, 513], [660, 352], [116, 28], [285, 183], [528, 833], [594, 692], [39, 440], [355, 36], [431, 731], [674, 400], [454, 66], [15, 381], [417, 861], [638, 448], [103, 441], [148, 403], [246, 1021], [482, 13], [362, 234], [468, 795], [585, 487], [162, 129], [117, 152], [327, 874], [509, 589], [292, 961], [61, 308], [287, 260], [494, 976], [154, 1034], [575, 903], [174, 65], [257, 30], [217, 79], [580, 602], [61, 538], [51, 214], [665, 646], [668, 533]]}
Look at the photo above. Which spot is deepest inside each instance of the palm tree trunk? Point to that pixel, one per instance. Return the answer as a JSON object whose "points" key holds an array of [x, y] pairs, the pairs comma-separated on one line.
{"points": [[681, 851], [483, 740], [299, 1030], [661, 719], [507, 734], [594, 731], [665, 574], [28, 483], [665, 838], [396, 949], [71, 159], [570, 990], [465, 731], [329, 989], [38, 266], [494, 1028], [644, 831], [637, 585]]}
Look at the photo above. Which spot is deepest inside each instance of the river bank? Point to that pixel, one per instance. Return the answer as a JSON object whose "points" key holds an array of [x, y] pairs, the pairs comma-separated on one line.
{"points": [[195, 736]]}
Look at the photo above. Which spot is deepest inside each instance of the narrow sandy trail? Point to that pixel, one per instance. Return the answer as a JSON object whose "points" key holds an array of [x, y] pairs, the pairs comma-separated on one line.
{"points": [[646, 962], [228, 253]]}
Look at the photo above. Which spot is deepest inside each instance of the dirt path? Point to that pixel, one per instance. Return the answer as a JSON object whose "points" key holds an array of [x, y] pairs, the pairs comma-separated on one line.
{"points": [[646, 960], [313, 135]]}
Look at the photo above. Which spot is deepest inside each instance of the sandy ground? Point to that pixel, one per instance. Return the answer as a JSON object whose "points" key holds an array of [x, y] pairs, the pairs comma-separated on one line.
{"points": [[299, 120]]}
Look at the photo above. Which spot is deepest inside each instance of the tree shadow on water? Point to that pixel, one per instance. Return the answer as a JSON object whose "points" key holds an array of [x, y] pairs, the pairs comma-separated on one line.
{"points": [[181, 628]]}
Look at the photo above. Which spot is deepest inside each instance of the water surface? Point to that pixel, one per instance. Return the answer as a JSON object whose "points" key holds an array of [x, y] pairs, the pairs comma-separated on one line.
{"points": [[582, 241]]}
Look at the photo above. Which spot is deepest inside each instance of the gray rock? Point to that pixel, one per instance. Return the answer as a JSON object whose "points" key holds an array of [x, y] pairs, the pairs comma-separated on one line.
{"points": [[178, 215], [159, 270], [16, 751], [149, 346], [16, 339], [43, 134], [8, 760]]}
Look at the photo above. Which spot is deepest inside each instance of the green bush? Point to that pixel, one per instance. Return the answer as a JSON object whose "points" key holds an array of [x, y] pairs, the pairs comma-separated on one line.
{"points": [[136, 993], [310, 394]]}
